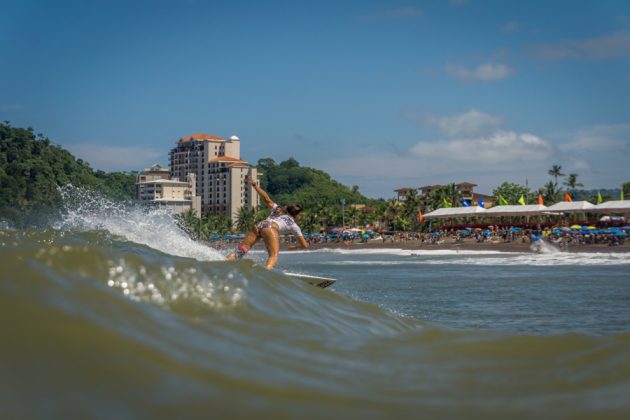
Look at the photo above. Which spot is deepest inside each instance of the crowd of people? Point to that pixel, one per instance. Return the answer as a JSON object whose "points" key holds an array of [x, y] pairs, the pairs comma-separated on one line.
{"points": [[561, 237]]}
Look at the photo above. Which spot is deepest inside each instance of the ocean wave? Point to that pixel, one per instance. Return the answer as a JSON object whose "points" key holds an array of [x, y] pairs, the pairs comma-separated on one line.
{"points": [[89, 335], [116, 313], [154, 227]]}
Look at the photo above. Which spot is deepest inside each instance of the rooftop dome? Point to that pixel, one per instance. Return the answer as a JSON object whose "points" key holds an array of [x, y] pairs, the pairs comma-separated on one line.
{"points": [[233, 137]]}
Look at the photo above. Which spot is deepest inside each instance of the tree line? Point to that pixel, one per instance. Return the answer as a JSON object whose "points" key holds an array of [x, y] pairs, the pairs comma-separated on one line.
{"points": [[32, 168]]}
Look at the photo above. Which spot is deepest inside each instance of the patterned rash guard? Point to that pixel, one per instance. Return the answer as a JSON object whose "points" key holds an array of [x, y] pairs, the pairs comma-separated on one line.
{"points": [[285, 222]]}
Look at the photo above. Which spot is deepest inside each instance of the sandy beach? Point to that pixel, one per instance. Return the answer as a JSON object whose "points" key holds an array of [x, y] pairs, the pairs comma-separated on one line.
{"points": [[472, 245]]}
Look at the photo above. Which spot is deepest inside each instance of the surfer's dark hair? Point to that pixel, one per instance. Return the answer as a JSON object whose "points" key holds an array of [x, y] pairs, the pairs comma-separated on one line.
{"points": [[293, 209]]}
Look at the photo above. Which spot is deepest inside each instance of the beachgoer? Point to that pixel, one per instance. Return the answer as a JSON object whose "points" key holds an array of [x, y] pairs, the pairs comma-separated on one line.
{"points": [[281, 221]]}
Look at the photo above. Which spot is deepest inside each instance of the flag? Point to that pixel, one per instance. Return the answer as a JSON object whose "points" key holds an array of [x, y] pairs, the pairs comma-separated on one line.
{"points": [[521, 200], [465, 203], [447, 204], [599, 198], [540, 200], [420, 217], [480, 202], [502, 201], [568, 198]]}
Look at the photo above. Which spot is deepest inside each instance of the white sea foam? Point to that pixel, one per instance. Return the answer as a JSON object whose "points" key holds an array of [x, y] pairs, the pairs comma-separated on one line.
{"points": [[553, 259], [511, 259], [152, 227], [402, 252]]}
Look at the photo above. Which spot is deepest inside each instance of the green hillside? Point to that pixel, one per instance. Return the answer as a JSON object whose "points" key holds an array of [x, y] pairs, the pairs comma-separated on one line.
{"points": [[288, 182], [31, 169]]}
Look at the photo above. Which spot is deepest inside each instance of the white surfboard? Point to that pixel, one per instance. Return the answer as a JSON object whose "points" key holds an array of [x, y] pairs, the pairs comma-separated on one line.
{"points": [[318, 281]]}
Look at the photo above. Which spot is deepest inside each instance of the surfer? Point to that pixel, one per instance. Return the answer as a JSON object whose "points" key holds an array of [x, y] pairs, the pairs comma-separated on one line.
{"points": [[281, 221]]}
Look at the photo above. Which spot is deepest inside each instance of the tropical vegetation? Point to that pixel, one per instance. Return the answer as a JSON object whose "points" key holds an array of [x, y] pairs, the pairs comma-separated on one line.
{"points": [[32, 168]]}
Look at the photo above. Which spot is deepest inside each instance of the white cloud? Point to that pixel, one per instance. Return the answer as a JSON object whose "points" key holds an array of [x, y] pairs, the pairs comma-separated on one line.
{"points": [[111, 158], [471, 122], [500, 147], [598, 154], [578, 164], [600, 138], [604, 47], [483, 72]]}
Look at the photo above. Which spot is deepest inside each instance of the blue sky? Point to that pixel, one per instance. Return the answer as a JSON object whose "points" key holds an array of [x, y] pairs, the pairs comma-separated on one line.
{"points": [[381, 94]]}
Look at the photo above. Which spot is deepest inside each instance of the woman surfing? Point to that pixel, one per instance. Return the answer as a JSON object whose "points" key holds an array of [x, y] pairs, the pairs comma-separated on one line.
{"points": [[282, 220]]}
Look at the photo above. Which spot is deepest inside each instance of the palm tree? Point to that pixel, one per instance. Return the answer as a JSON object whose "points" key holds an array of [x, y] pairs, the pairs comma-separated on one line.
{"points": [[549, 193], [448, 192], [352, 213], [245, 218], [411, 207], [555, 172], [325, 212], [573, 183], [392, 208], [309, 221], [190, 223]]}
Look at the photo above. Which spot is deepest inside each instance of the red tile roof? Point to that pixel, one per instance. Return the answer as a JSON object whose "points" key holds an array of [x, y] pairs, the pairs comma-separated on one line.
{"points": [[225, 159], [201, 136]]}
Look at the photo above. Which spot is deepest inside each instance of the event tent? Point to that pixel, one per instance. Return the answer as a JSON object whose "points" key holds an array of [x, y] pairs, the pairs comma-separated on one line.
{"points": [[517, 210], [572, 207], [614, 206], [452, 212]]}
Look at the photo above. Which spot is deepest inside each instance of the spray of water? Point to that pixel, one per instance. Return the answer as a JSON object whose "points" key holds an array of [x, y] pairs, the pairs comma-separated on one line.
{"points": [[543, 247], [153, 227]]}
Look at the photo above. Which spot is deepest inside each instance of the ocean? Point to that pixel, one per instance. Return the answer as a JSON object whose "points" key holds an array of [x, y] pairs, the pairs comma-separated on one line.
{"points": [[113, 312]]}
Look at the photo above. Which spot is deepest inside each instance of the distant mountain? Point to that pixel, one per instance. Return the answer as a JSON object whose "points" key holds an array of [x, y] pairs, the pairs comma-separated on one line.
{"points": [[606, 193]]}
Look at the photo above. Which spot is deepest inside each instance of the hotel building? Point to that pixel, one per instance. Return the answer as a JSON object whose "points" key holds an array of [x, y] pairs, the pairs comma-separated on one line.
{"points": [[221, 174], [154, 186]]}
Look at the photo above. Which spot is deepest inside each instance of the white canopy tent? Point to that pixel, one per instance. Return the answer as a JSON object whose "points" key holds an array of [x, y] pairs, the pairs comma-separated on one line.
{"points": [[614, 206], [517, 210], [572, 207], [450, 213]]}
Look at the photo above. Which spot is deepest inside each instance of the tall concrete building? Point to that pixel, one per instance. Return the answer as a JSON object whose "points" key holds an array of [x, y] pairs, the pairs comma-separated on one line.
{"points": [[154, 186], [221, 174]]}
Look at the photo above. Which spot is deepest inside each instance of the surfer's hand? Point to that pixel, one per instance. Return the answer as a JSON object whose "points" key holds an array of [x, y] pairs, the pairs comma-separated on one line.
{"points": [[252, 181]]}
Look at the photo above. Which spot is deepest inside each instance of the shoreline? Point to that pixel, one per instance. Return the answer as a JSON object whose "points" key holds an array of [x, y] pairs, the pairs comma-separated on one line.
{"points": [[515, 246]]}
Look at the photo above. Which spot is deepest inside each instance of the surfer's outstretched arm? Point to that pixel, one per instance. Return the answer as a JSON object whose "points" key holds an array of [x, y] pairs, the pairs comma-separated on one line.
{"points": [[301, 241], [268, 201]]}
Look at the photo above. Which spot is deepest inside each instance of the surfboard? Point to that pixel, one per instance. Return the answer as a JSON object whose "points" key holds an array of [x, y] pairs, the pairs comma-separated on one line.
{"points": [[318, 281]]}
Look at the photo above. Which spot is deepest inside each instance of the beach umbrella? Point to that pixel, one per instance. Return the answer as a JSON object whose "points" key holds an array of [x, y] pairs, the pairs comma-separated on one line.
{"points": [[576, 227], [592, 227], [620, 233]]}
